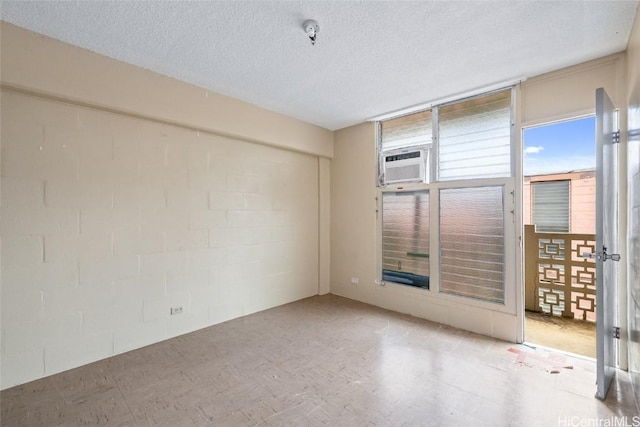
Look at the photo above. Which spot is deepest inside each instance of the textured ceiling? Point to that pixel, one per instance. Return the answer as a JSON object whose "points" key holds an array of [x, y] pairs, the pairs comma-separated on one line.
{"points": [[370, 57]]}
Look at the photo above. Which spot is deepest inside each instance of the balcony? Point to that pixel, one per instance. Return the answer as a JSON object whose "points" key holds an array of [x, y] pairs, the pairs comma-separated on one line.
{"points": [[560, 290]]}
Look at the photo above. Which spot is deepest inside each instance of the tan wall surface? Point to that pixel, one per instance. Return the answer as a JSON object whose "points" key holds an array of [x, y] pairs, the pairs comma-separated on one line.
{"points": [[109, 218], [570, 92], [324, 228], [37, 63], [353, 217], [108, 221], [633, 112]]}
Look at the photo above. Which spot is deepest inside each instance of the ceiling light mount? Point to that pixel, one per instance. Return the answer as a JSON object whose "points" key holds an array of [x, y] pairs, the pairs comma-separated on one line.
{"points": [[311, 28]]}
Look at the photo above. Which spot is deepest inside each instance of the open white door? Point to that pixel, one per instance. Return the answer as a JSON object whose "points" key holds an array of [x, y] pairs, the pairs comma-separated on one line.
{"points": [[607, 137]]}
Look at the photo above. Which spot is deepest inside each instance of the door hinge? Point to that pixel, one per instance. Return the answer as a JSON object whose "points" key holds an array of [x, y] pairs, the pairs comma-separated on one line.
{"points": [[616, 332], [615, 137]]}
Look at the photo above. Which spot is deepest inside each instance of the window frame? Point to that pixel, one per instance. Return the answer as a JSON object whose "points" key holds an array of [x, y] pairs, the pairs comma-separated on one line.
{"points": [[418, 192], [433, 147], [511, 244], [504, 241], [538, 184]]}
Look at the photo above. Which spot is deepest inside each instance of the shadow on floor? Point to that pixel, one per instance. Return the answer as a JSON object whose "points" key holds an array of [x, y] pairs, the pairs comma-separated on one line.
{"points": [[573, 336]]}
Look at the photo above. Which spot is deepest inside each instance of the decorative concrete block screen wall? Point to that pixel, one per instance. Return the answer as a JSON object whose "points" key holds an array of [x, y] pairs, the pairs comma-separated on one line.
{"points": [[110, 221]]}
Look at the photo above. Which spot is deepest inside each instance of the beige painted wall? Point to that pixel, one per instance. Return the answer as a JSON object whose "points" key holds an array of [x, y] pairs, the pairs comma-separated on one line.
{"points": [[570, 92], [353, 213], [109, 218], [633, 112], [324, 226], [47, 66], [108, 221]]}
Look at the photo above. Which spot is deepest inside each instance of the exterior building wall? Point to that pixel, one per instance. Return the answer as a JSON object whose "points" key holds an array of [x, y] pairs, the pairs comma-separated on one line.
{"points": [[582, 196]]}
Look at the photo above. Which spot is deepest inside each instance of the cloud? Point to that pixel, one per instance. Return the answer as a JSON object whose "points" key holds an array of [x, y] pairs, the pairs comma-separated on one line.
{"points": [[533, 150], [539, 166]]}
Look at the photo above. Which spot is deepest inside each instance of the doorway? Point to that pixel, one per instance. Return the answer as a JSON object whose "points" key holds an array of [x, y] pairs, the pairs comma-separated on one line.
{"points": [[560, 225]]}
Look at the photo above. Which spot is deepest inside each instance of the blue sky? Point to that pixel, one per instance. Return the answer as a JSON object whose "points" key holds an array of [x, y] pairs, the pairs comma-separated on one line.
{"points": [[560, 147]]}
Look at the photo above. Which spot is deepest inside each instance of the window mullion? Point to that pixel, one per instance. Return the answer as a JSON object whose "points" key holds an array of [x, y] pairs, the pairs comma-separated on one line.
{"points": [[434, 145]]}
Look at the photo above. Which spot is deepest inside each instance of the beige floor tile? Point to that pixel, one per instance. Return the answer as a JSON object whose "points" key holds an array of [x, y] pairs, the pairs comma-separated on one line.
{"points": [[324, 360]]}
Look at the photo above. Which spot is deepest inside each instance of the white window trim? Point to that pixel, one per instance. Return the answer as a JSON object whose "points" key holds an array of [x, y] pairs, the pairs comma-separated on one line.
{"points": [[510, 243], [512, 220]]}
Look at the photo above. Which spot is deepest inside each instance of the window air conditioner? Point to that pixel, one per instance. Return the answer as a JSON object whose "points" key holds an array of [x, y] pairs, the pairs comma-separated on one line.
{"points": [[405, 166]]}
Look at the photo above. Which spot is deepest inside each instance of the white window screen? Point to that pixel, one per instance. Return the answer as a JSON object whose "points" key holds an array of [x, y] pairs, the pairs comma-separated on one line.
{"points": [[475, 138], [406, 131], [551, 209], [405, 238], [472, 242]]}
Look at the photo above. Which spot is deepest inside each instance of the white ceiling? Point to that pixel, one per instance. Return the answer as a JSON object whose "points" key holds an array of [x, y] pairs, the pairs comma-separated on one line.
{"points": [[371, 57]]}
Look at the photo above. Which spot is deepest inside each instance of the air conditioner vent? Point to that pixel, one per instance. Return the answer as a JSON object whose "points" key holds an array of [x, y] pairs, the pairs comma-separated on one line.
{"points": [[405, 166]]}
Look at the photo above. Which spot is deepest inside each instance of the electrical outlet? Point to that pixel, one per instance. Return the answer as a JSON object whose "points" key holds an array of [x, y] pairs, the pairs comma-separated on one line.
{"points": [[355, 280], [176, 310]]}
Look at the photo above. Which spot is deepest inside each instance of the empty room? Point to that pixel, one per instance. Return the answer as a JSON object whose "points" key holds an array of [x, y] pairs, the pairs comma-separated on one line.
{"points": [[344, 213]]}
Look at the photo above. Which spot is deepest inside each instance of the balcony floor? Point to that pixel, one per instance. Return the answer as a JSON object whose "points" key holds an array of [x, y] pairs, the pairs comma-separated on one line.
{"points": [[573, 336]]}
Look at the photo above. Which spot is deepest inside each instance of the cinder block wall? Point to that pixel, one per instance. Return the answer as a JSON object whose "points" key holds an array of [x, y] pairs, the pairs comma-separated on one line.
{"points": [[108, 221]]}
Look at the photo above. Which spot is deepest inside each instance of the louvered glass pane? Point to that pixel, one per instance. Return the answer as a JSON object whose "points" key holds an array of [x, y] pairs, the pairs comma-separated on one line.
{"points": [[405, 238], [475, 138], [407, 131], [551, 206], [472, 242]]}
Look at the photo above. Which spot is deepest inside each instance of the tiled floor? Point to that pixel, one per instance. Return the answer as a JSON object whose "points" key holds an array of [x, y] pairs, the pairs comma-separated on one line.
{"points": [[323, 361]]}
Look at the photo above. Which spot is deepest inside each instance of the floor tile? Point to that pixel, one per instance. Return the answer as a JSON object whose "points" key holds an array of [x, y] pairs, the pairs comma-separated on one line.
{"points": [[324, 360]]}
